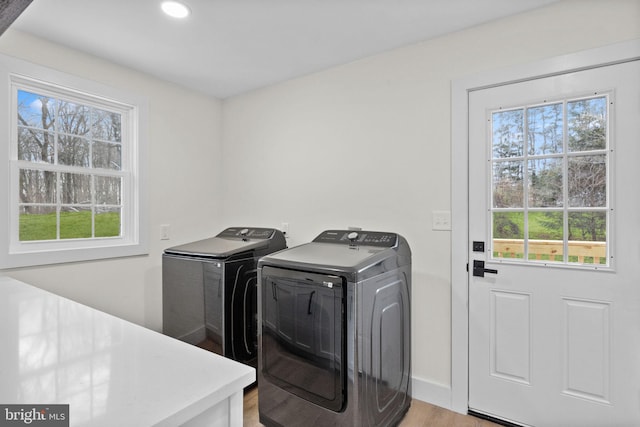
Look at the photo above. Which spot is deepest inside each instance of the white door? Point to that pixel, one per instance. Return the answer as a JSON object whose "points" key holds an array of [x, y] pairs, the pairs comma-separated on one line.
{"points": [[554, 332]]}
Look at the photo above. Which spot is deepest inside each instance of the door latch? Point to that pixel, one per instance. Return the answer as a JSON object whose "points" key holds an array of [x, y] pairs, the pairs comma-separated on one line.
{"points": [[479, 270]]}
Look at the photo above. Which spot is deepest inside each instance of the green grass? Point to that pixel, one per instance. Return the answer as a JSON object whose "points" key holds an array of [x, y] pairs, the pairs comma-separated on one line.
{"points": [[542, 226], [73, 225]]}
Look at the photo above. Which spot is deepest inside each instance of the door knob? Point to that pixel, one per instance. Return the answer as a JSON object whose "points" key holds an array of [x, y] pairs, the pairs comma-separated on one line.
{"points": [[479, 270]]}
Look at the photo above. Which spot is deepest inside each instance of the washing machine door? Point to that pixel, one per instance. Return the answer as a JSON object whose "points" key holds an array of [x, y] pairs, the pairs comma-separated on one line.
{"points": [[242, 307], [303, 335]]}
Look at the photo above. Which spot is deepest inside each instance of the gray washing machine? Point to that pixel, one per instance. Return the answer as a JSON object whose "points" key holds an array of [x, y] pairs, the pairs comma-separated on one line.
{"points": [[334, 331], [209, 290]]}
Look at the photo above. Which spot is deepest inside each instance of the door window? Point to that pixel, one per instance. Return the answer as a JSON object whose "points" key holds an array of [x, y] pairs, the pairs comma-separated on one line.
{"points": [[550, 182]]}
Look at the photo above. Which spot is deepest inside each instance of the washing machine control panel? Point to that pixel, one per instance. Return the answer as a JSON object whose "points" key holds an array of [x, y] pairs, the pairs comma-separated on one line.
{"points": [[244, 233], [364, 238]]}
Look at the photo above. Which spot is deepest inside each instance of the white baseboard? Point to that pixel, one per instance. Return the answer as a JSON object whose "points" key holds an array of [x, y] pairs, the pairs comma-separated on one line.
{"points": [[431, 392]]}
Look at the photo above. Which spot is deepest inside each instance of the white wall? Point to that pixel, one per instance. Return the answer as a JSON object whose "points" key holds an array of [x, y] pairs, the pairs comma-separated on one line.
{"points": [[184, 183], [368, 144]]}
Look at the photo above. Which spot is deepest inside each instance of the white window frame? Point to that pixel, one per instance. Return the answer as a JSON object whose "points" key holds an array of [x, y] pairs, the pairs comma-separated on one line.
{"points": [[16, 74]]}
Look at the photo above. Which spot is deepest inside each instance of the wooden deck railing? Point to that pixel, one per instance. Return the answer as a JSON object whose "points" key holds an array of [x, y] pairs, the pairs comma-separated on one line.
{"points": [[579, 251]]}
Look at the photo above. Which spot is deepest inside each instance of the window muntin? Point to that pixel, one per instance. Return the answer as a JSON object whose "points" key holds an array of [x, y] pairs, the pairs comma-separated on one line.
{"points": [[550, 182], [69, 159]]}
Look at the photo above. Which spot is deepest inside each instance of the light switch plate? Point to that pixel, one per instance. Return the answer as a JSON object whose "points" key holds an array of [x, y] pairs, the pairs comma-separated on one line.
{"points": [[441, 220], [165, 232]]}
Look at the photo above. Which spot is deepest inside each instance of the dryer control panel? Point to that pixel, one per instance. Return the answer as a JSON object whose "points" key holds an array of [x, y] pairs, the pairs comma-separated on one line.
{"points": [[364, 238], [247, 233]]}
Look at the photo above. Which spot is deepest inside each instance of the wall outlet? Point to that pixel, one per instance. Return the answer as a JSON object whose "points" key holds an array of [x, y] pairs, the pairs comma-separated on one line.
{"points": [[164, 232], [441, 220], [284, 227]]}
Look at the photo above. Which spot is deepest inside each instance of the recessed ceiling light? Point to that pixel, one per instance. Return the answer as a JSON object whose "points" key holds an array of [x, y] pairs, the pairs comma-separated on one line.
{"points": [[175, 9]]}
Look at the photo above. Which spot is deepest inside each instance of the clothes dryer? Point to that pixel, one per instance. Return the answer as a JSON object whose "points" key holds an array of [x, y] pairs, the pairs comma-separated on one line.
{"points": [[209, 290], [334, 331]]}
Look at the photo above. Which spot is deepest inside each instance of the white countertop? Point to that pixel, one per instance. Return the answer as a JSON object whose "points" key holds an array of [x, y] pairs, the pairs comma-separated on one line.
{"points": [[111, 372]]}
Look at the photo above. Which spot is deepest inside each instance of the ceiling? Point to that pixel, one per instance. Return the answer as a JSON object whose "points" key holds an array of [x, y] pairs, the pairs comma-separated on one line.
{"points": [[228, 47]]}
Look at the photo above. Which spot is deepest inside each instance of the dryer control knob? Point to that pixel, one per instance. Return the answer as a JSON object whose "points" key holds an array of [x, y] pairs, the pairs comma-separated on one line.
{"points": [[352, 236]]}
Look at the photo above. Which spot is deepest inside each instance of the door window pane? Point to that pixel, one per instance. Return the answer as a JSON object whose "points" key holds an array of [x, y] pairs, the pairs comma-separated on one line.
{"points": [[508, 234], [545, 129], [546, 236], [507, 134], [588, 237], [588, 181], [508, 189], [587, 124], [588, 226], [545, 182]]}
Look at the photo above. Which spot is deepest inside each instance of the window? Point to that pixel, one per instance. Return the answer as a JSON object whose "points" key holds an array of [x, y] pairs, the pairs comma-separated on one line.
{"points": [[69, 167], [75, 181], [550, 182]]}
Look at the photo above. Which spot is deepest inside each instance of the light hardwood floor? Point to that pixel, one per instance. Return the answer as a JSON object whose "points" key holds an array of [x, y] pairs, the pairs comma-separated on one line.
{"points": [[420, 414]]}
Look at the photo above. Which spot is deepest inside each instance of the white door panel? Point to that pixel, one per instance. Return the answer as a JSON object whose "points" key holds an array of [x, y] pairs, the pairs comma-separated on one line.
{"points": [[558, 343]]}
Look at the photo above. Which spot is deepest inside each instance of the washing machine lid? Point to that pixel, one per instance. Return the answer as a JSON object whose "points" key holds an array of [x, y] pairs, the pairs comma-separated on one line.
{"points": [[343, 251], [233, 241]]}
